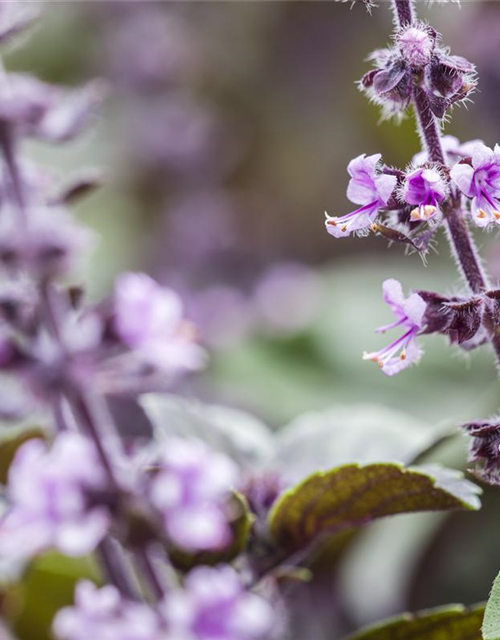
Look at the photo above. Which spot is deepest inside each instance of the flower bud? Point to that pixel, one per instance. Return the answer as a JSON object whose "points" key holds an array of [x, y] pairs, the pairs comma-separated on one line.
{"points": [[416, 44], [485, 449]]}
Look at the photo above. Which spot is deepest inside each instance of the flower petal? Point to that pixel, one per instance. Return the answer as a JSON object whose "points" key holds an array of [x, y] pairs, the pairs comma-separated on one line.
{"points": [[463, 175]]}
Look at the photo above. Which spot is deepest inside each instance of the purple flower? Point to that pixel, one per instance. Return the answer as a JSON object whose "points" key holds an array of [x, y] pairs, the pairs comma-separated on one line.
{"points": [[102, 614], [367, 187], [426, 188], [452, 148], [191, 489], [481, 182], [48, 244], [215, 606], [149, 319], [49, 494], [45, 111], [409, 314]]}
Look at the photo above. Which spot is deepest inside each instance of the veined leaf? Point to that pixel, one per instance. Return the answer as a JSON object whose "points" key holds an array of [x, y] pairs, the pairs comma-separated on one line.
{"points": [[453, 622], [331, 503], [491, 624]]}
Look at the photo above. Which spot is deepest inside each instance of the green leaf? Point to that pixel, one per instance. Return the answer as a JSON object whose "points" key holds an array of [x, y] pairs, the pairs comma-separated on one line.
{"points": [[47, 587], [336, 502], [359, 433], [236, 433], [240, 527], [453, 622], [11, 439], [491, 624]]}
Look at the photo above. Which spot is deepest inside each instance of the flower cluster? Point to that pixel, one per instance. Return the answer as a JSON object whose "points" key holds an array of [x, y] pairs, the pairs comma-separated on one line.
{"points": [[54, 498], [213, 605], [190, 489], [417, 61]]}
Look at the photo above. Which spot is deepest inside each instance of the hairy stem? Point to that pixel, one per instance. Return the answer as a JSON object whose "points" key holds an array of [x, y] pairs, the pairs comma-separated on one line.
{"points": [[459, 237], [403, 11]]}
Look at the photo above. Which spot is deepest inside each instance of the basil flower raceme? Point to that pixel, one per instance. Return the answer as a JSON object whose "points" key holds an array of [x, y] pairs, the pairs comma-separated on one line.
{"points": [[367, 187], [426, 188], [409, 313], [480, 181]]}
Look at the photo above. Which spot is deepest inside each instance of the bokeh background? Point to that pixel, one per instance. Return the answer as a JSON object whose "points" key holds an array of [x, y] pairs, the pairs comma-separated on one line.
{"points": [[224, 135]]}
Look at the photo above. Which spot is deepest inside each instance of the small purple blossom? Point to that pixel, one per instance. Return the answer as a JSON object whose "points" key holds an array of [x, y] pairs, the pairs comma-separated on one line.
{"points": [[367, 187], [48, 112], [409, 313], [426, 188], [49, 244], [149, 319], [191, 489], [102, 614], [453, 149], [215, 606], [49, 492], [480, 181]]}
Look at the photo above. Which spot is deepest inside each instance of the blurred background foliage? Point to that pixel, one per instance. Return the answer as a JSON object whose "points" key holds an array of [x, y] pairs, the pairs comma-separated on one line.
{"points": [[224, 135]]}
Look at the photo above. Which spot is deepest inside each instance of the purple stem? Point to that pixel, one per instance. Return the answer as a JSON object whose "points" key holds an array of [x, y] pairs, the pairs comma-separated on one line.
{"points": [[404, 11], [459, 237], [116, 569], [147, 563]]}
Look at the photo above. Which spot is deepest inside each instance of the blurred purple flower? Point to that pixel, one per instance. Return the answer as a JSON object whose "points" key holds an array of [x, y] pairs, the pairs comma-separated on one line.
{"points": [[191, 489], [50, 496], [409, 313], [102, 614], [366, 187], [481, 182], [48, 244], [215, 606], [287, 298], [224, 314], [45, 111], [170, 54], [426, 188], [149, 319]]}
